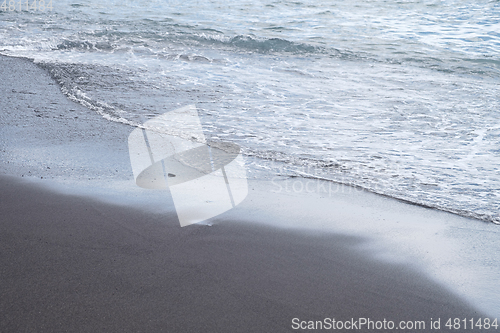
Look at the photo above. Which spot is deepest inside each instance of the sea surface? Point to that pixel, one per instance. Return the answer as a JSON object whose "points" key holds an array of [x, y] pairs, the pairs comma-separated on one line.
{"points": [[401, 98]]}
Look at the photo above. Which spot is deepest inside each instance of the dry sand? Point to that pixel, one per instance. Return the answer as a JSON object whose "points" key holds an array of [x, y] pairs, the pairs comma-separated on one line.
{"points": [[74, 264]]}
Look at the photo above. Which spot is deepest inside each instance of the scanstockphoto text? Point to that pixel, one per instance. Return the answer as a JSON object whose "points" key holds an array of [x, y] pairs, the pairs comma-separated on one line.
{"points": [[433, 324], [310, 185], [324, 181]]}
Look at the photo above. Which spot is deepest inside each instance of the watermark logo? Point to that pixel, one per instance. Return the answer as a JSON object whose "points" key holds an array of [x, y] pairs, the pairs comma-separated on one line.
{"points": [[204, 179]]}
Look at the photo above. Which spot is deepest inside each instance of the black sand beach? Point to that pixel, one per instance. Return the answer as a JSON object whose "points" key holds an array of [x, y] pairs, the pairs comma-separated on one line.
{"points": [[70, 263], [74, 264]]}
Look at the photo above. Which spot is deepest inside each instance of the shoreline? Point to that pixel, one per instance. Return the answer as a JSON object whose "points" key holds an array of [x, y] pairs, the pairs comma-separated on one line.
{"points": [[271, 259], [121, 129]]}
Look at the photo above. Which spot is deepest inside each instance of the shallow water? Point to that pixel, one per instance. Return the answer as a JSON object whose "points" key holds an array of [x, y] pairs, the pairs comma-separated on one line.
{"points": [[401, 98]]}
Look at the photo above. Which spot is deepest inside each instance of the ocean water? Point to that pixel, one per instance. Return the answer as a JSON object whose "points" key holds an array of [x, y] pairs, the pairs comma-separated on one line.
{"points": [[401, 98]]}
